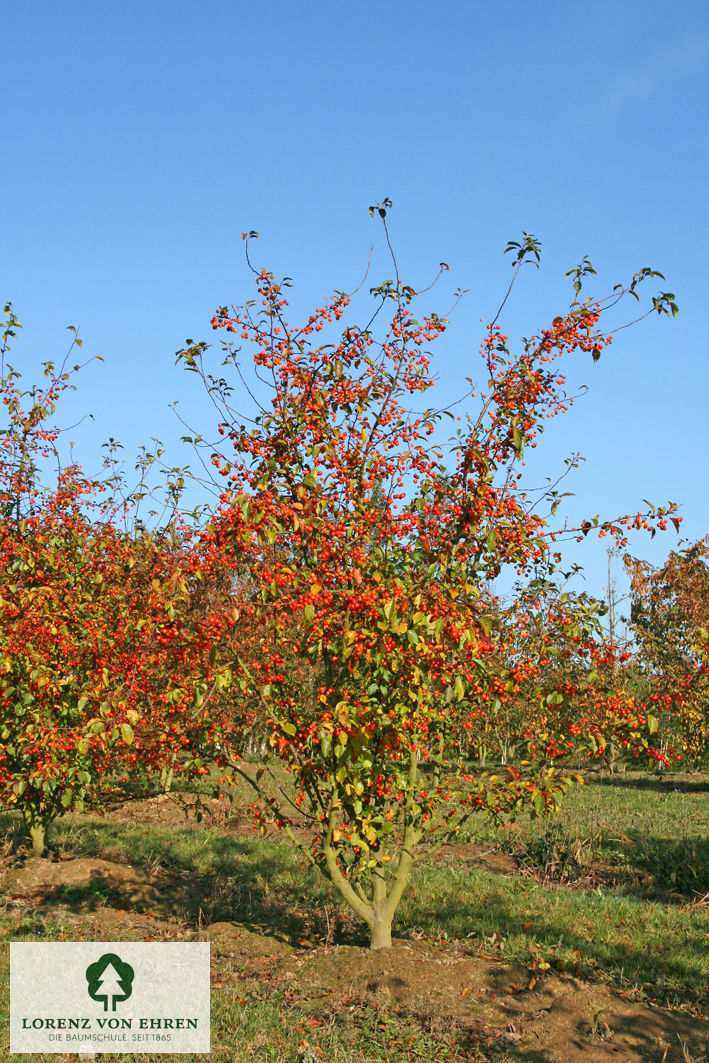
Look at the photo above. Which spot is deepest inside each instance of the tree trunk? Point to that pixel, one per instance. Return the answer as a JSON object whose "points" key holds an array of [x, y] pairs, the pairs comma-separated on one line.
{"points": [[380, 931], [377, 912], [38, 835], [167, 774]]}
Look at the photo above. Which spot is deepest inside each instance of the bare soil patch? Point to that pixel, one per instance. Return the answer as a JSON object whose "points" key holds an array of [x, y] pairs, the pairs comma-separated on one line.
{"points": [[109, 890], [488, 1002], [181, 810]]}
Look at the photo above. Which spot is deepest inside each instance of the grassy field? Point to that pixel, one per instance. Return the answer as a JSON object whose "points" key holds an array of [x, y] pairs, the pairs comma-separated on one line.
{"points": [[581, 937]]}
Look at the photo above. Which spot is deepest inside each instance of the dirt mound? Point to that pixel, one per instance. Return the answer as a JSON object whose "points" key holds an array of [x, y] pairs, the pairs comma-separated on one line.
{"points": [[474, 854], [229, 938], [176, 809], [533, 1016], [38, 878], [97, 886]]}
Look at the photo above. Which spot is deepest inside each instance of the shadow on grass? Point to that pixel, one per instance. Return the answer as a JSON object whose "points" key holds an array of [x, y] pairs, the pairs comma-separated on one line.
{"points": [[663, 783], [666, 868], [199, 877], [666, 971], [12, 830], [206, 877], [679, 867]]}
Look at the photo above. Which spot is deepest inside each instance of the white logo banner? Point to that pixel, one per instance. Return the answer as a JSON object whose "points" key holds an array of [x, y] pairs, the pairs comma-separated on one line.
{"points": [[93, 996]]}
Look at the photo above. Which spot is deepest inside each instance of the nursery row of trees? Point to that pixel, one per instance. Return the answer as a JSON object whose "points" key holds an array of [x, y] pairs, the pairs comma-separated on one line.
{"points": [[337, 602]]}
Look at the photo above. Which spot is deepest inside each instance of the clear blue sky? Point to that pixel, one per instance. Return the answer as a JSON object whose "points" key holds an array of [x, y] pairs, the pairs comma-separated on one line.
{"points": [[142, 138]]}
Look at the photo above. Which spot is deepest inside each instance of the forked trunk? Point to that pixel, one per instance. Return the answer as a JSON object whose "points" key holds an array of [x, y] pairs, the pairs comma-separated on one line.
{"points": [[376, 909]]}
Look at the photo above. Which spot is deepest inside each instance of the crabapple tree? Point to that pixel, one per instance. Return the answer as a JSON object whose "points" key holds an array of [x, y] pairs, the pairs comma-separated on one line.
{"points": [[98, 662], [366, 551], [670, 617]]}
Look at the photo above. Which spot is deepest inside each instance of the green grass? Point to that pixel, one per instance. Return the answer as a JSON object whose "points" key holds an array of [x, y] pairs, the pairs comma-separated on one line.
{"points": [[641, 833], [633, 928], [657, 950]]}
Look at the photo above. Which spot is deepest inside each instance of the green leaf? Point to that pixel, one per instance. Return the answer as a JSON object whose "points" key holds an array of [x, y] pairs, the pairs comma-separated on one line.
{"points": [[127, 733], [518, 439], [538, 803]]}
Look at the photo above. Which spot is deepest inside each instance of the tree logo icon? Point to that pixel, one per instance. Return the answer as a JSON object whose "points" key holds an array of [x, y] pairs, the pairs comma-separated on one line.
{"points": [[110, 980]]}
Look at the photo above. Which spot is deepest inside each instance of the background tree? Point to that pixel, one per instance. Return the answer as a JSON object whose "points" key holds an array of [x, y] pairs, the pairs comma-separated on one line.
{"points": [[95, 631], [583, 685], [670, 619]]}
